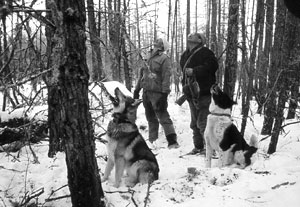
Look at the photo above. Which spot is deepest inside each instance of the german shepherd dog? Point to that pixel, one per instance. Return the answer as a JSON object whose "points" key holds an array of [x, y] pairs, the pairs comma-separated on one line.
{"points": [[222, 136], [127, 149]]}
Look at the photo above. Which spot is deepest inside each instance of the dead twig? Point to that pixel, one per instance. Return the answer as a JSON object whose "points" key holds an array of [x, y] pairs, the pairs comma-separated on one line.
{"points": [[35, 194], [147, 194], [283, 184], [132, 197], [57, 198], [1, 167], [129, 191]]}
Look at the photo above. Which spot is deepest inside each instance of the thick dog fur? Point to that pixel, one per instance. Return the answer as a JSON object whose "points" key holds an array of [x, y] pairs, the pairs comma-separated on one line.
{"points": [[222, 136], [127, 150]]}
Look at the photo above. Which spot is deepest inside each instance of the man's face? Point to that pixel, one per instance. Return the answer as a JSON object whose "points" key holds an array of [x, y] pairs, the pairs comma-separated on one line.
{"points": [[191, 45]]}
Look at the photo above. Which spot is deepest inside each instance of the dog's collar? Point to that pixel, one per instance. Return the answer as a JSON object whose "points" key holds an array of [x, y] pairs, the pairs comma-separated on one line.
{"points": [[221, 114], [120, 118]]}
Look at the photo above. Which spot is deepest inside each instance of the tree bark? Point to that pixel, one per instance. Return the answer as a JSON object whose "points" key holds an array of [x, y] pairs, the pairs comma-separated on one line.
{"points": [[288, 43], [127, 70], [250, 73], [270, 107], [245, 62], [97, 66], [294, 74], [188, 18], [260, 75], [72, 96], [231, 52], [114, 37], [261, 89], [213, 42], [208, 23]]}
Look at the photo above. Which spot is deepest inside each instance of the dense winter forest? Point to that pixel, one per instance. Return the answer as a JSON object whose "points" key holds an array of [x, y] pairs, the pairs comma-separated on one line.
{"points": [[60, 48]]}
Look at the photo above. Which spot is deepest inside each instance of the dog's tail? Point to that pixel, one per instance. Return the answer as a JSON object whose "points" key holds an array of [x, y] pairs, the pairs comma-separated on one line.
{"points": [[147, 171]]}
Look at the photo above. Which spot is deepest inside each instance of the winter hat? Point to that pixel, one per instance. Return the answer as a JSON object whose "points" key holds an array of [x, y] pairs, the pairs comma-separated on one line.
{"points": [[162, 44]]}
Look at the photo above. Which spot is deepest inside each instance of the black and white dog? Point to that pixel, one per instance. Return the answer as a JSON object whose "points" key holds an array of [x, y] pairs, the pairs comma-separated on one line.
{"points": [[222, 136]]}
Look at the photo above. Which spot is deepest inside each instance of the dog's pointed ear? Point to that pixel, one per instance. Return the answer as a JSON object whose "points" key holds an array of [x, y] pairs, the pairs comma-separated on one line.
{"points": [[118, 92]]}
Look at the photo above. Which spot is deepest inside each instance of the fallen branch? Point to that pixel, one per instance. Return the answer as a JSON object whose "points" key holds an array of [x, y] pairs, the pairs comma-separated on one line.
{"points": [[57, 198], [147, 194], [262, 172], [132, 198], [283, 184], [98, 137], [35, 194], [1, 167]]}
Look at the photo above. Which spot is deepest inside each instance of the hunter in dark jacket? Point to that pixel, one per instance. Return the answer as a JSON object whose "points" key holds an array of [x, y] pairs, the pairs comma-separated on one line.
{"points": [[199, 66]]}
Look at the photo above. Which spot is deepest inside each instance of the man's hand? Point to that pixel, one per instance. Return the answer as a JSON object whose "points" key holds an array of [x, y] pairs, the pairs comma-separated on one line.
{"points": [[189, 71], [136, 94]]}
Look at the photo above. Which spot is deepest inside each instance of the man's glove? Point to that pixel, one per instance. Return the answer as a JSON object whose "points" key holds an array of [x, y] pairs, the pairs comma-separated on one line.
{"points": [[162, 102], [189, 71], [136, 94]]}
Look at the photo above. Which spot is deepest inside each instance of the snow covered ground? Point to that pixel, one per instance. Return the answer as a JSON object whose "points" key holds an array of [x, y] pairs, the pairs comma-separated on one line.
{"points": [[272, 180]]}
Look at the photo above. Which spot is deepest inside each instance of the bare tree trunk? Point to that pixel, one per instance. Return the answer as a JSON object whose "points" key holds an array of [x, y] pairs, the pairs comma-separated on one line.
{"points": [[175, 70], [155, 22], [75, 122], [270, 107], [245, 62], [127, 70], [97, 68], [231, 52], [208, 4], [219, 53], [5, 71], [250, 73], [188, 18], [114, 37], [261, 93], [213, 42], [169, 19], [294, 74], [54, 54], [196, 15], [259, 74], [288, 43], [138, 24]]}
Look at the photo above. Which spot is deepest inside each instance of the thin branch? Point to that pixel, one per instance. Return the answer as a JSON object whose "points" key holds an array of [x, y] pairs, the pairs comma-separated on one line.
{"points": [[33, 195], [147, 194], [57, 198], [296, 122], [26, 80]]}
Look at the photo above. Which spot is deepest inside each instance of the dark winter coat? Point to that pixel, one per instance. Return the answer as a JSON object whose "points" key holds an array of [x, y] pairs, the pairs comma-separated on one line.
{"points": [[204, 64]]}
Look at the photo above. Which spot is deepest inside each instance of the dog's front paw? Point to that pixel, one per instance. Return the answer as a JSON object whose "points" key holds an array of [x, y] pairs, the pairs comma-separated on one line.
{"points": [[105, 178], [130, 183], [117, 184]]}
